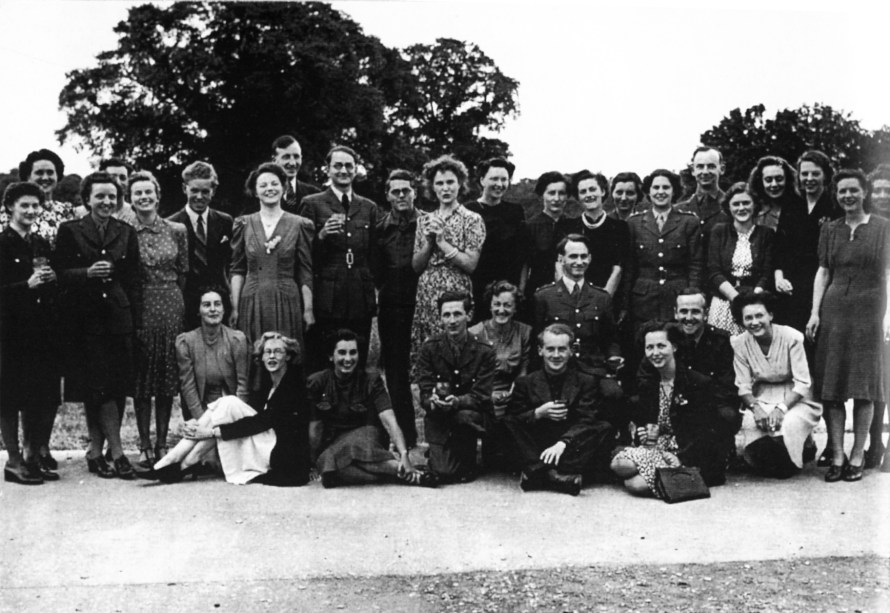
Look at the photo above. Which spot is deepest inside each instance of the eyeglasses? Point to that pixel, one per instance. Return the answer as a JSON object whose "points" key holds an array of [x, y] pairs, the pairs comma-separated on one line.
{"points": [[275, 351], [341, 166], [400, 192]]}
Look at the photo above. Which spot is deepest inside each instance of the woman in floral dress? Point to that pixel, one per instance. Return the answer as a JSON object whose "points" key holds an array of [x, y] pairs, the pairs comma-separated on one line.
{"points": [[446, 246], [163, 256]]}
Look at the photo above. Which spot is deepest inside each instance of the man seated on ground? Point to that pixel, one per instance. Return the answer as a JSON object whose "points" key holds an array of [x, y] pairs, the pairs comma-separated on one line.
{"points": [[455, 374], [552, 419]]}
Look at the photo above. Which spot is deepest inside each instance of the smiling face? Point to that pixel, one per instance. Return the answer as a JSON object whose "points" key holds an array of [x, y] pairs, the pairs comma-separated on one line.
{"points": [[555, 197], [661, 193], [495, 184], [706, 168], [880, 197], [24, 211], [345, 358], [691, 313], [446, 187], [341, 170], [741, 207], [119, 173], [773, 181], [851, 196], [555, 351], [43, 173], [625, 195], [591, 196], [198, 194], [811, 178], [758, 321], [211, 309], [454, 318], [269, 189], [103, 201], [290, 158], [575, 260], [400, 195], [144, 197], [503, 308], [274, 355], [659, 350]]}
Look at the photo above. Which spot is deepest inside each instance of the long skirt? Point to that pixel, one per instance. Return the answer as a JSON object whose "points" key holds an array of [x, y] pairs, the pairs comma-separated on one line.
{"points": [[242, 459]]}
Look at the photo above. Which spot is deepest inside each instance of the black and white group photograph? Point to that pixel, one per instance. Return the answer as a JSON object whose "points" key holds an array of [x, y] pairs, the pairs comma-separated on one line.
{"points": [[445, 306]]}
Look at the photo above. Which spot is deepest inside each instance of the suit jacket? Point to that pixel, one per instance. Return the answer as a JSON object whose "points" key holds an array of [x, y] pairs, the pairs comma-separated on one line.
{"points": [[661, 263], [343, 290], [99, 306], [24, 313], [192, 361], [721, 248], [589, 316], [580, 390], [219, 251]]}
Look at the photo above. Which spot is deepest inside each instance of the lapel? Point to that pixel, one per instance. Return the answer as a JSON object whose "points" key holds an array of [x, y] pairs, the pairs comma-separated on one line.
{"points": [[212, 228], [112, 231], [201, 361], [671, 223], [570, 387], [334, 201], [90, 231], [649, 222]]}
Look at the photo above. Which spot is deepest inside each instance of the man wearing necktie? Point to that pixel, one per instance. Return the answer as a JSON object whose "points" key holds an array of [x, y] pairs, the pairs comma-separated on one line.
{"points": [[287, 153], [209, 239], [343, 257]]}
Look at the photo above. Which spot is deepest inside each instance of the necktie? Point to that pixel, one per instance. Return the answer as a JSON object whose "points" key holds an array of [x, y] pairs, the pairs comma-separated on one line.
{"points": [[345, 202], [290, 195], [201, 244], [576, 290], [659, 220], [101, 228]]}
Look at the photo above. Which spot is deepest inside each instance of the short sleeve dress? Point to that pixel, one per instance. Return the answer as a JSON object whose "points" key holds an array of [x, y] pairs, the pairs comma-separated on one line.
{"points": [[465, 230], [850, 358]]}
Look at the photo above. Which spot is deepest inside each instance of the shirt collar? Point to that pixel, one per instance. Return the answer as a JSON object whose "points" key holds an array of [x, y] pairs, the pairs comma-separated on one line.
{"points": [[392, 219], [340, 194], [193, 216], [570, 285], [154, 227]]}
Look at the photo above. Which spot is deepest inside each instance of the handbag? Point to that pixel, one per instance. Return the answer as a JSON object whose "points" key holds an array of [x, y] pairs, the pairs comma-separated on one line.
{"points": [[680, 484]]}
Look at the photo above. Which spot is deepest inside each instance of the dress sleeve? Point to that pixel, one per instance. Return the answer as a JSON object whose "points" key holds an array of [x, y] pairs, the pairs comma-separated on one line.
{"points": [[825, 245], [182, 249], [800, 370], [305, 236], [768, 245], [239, 255], [744, 379], [475, 232], [378, 395], [241, 354]]}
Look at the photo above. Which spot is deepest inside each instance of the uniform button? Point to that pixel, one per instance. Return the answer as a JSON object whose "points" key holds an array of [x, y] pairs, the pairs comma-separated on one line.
{"points": [[577, 325], [349, 234], [577, 310], [661, 254], [660, 240], [104, 295], [661, 281], [102, 252], [661, 268]]}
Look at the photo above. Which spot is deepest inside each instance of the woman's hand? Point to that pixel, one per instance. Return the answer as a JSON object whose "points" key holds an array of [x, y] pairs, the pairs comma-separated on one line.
{"points": [[36, 279], [783, 286], [435, 226], [761, 417], [774, 421], [233, 318], [196, 433], [407, 470], [887, 328], [314, 474], [813, 327]]}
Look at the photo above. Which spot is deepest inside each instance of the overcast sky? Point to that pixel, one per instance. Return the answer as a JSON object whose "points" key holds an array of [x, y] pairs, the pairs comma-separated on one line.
{"points": [[603, 85]]}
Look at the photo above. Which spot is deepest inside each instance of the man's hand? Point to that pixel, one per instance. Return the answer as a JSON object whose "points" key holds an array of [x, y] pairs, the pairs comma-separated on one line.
{"points": [[551, 455], [555, 410]]}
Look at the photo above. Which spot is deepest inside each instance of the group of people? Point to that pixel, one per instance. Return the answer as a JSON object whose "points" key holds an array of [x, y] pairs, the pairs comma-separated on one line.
{"points": [[646, 333]]}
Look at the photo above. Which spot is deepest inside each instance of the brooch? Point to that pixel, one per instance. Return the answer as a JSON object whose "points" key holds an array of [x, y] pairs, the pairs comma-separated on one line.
{"points": [[271, 244]]}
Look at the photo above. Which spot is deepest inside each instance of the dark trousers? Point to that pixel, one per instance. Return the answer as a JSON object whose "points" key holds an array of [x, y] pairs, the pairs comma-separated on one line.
{"points": [[587, 453], [452, 443], [394, 326]]}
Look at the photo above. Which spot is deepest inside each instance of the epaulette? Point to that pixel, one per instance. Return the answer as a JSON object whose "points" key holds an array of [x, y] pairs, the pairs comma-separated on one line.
{"points": [[543, 287]]}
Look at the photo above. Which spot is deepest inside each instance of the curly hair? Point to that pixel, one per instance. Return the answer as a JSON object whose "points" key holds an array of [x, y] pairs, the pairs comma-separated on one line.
{"points": [[755, 179], [740, 187], [747, 297], [271, 167], [291, 346], [548, 178], [444, 163], [496, 288], [673, 178], [17, 189], [27, 165], [143, 175]]}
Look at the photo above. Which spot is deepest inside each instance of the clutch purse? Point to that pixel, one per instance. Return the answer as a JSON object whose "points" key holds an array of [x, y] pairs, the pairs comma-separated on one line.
{"points": [[680, 484]]}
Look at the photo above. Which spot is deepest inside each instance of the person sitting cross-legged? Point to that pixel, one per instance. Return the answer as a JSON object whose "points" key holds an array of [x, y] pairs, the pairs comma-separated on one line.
{"points": [[552, 419]]}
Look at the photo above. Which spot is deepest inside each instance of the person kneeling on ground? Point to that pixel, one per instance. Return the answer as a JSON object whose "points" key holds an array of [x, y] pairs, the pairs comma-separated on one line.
{"points": [[455, 374], [263, 442], [679, 414], [348, 407], [552, 419]]}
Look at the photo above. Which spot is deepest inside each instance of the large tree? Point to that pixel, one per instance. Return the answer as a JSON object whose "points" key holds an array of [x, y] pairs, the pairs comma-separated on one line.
{"points": [[743, 137]]}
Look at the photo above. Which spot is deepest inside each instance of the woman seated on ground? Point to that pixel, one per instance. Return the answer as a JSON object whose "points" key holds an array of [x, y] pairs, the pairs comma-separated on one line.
{"points": [[265, 442], [347, 408], [773, 379], [682, 418]]}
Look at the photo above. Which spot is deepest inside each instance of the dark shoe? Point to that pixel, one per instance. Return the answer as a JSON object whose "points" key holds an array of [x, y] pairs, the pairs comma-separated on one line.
{"points": [[49, 461], [422, 479], [101, 468], [124, 468], [564, 483], [147, 458], [809, 450], [45, 471], [21, 474], [531, 481], [172, 473], [873, 456], [826, 458], [885, 465], [852, 473], [160, 452], [329, 480], [835, 473], [108, 457]]}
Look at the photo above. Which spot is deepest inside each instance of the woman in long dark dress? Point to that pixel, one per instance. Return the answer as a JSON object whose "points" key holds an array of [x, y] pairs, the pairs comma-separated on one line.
{"points": [[29, 376], [850, 320]]}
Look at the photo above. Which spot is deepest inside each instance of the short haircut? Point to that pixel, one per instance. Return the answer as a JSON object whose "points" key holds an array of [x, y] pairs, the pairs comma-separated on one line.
{"points": [[400, 174], [584, 175], [819, 159], [755, 179], [272, 167], [97, 178], [574, 238], [283, 142], [486, 165], [107, 163], [549, 177], [673, 178], [291, 346], [747, 297], [200, 170], [739, 187], [453, 296], [344, 334], [444, 163], [27, 165], [496, 288], [627, 177], [18, 189], [143, 175], [207, 289], [658, 325], [693, 291], [858, 175], [341, 149], [558, 329], [702, 149]]}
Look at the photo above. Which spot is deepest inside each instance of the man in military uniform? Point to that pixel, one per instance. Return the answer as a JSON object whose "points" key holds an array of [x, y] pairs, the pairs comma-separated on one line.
{"points": [[455, 374], [584, 308], [707, 167]]}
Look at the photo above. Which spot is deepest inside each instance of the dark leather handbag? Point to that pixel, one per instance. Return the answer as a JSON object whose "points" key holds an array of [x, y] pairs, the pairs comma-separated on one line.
{"points": [[680, 484]]}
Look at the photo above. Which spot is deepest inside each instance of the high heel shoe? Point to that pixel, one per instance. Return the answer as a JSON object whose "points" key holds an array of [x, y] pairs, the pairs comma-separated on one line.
{"points": [[49, 461], [873, 456], [100, 468], [835, 473], [46, 472], [852, 473], [21, 474], [147, 458], [124, 468]]}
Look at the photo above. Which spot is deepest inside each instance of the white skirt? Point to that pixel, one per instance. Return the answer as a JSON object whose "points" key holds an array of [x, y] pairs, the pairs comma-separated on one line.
{"points": [[242, 459]]}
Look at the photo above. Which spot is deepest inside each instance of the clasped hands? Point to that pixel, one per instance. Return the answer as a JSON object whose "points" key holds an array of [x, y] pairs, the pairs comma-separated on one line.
{"points": [[768, 422], [194, 431]]}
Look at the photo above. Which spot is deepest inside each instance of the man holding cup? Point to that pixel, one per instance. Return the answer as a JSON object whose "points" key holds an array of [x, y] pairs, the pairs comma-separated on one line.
{"points": [[552, 419]]}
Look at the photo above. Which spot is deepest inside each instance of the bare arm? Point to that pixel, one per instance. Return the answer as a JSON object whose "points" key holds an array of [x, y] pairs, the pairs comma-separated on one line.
{"points": [[820, 284]]}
